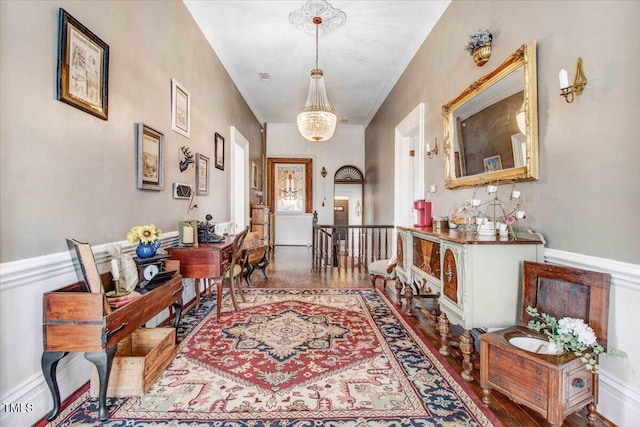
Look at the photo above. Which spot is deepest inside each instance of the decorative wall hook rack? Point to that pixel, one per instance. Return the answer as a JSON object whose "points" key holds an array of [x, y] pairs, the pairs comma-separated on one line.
{"points": [[580, 81]]}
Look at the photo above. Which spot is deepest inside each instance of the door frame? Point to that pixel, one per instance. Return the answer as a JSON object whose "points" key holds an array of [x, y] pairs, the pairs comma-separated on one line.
{"points": [[239, 141], [410, 126]]}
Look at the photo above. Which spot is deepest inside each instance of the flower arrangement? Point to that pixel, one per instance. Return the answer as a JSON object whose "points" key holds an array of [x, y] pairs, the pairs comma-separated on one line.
{"points": [[143, 234], [478, 39], [570, 334]]}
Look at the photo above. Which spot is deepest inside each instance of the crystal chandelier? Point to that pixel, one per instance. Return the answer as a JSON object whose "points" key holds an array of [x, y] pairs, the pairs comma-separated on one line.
{"points": [[317, 119]]}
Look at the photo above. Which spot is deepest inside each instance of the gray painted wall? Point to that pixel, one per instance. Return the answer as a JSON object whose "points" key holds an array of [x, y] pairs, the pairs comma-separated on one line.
{"points": [[588, 198], [65, 173]]}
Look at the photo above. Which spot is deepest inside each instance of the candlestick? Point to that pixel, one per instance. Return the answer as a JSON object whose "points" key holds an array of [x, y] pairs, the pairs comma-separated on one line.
{"points": [[115, 271]]}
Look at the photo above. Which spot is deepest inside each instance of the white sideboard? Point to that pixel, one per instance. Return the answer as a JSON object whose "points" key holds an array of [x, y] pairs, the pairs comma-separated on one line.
{"points": [[478, 278]]}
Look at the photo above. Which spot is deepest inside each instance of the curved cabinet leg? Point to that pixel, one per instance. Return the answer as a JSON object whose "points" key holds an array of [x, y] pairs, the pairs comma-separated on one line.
{"points": [[398, 291], [177, 307], [467, 349], [49, 363], [102, 361]]}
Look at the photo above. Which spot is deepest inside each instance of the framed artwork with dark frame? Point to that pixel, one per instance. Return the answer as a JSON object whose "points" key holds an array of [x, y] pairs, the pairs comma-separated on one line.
{"points": [[180, 109], [150, 158], [219, 152], [254, 175], [202, 175], [493, 163], [83, 67]]}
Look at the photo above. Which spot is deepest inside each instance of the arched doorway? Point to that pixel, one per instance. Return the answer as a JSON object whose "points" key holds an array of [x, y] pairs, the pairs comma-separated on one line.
{"points": [[348, 190]]}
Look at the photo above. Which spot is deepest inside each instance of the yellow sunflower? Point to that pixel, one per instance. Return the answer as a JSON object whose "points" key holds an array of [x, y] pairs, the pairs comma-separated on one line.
{"points": [[143, 234]]}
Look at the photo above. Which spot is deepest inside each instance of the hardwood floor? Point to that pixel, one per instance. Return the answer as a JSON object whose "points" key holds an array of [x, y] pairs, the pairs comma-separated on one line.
{"points": [[290, 267]]}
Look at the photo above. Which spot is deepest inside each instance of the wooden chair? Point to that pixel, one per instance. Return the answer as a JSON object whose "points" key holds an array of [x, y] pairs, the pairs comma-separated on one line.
{"points": [[553, 385], [384, 269], [256, 256], [236, 264]]}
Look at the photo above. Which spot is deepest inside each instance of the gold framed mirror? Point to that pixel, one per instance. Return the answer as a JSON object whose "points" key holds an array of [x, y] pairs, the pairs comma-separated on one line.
{"points": [[491, 128]]}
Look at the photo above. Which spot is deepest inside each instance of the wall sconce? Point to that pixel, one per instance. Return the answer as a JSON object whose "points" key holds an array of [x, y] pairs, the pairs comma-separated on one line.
{"points": [[358, 208], [578, 85], [323, 172], [434, 151]]}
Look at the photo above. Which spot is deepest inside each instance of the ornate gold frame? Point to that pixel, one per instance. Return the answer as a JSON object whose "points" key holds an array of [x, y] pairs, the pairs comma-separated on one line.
{"points": [[524, 57]]}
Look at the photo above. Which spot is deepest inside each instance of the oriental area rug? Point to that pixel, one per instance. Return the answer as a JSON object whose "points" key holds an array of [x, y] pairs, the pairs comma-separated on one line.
{"points": [[297, 357]]}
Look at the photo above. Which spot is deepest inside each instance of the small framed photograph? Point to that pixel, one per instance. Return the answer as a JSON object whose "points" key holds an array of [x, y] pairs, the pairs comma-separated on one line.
{"points": [[150, 157], [83, 67], [254, 175], [202, 175], [219, 151], [180, 109], [493, 163]]}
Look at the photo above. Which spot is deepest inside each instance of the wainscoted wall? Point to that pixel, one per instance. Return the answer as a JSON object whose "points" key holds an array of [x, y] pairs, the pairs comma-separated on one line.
{"points": [[23, 282]]}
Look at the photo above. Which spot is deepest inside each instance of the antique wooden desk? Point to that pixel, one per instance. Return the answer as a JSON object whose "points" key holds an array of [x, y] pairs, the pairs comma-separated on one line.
{"points": [[208, 261], [74, 321]]}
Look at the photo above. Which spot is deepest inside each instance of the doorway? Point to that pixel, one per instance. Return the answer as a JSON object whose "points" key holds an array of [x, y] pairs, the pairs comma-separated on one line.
{"points": [[239, 180], [409, 165], [341, 215]]}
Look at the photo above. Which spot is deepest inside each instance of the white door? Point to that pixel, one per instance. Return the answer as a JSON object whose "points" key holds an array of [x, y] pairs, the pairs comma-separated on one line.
{"points": [[409, 166], [239, 181]]}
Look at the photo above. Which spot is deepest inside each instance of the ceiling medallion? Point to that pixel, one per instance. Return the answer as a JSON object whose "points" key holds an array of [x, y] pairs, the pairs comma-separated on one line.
{"points": [[331, 17]]}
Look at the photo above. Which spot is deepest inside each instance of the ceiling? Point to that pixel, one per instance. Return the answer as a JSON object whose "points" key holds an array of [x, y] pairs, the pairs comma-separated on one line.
{"points": [[362, 60]]}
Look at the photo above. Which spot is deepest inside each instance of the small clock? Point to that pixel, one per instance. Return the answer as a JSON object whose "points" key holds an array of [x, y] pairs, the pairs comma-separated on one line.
{"points": [[149, 267], [148, 271]]}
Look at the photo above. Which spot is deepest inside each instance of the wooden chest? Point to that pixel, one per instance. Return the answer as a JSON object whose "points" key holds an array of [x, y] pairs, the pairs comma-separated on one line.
{"points": [[554, 386], [139, 361]]}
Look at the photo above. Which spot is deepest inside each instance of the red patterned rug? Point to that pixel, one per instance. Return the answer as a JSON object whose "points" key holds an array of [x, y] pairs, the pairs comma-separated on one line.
{"points": [[299, 358]]}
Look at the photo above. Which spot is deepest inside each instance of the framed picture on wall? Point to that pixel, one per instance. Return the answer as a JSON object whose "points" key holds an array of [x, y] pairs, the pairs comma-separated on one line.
{"points": [[180, 109], [219, 151], [202, 175], [493, 163], [254, 175], [83, 67], [150, 158]]}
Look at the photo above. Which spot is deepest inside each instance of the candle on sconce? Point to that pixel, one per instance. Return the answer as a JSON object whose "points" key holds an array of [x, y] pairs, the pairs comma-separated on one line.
{"points": [[475, 203], [115, 271], [564, 78], [428, 147], [515, 194], [492, 189], [520, 214]]}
